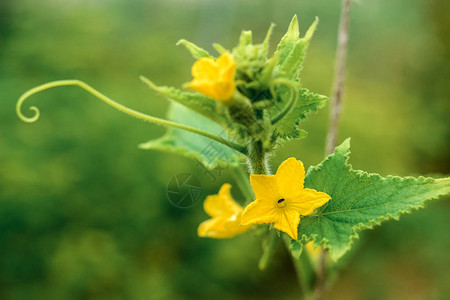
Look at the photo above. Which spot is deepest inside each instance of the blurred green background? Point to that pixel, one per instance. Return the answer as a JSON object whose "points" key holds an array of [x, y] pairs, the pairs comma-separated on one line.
{"points": [[84, 213]]}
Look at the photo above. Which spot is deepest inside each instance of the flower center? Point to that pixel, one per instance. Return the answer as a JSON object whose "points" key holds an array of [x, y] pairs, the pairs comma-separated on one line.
{"points": [[281, 202]]}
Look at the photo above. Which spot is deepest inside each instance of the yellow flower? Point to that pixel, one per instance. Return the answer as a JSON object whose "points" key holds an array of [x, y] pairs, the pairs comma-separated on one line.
{"points": [[226, 216], [214, 78], [314, 253], [281, 199]]}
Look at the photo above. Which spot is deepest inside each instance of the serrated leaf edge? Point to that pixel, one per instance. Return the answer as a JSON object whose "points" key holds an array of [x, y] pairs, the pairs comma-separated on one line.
{"points": [[356, 229]]}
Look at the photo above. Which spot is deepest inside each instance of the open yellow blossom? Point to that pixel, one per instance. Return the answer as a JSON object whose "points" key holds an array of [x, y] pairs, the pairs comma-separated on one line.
{"points": [[226, 216], [281, 199], [214, 78]]}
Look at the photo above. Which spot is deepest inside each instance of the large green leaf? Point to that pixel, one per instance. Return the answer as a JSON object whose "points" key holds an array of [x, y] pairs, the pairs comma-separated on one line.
{"points": [[359, 201], [209, 153], [307, 102]]}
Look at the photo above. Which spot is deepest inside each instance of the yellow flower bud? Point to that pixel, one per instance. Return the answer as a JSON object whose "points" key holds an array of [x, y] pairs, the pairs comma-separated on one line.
{"points": [[214, 78]]}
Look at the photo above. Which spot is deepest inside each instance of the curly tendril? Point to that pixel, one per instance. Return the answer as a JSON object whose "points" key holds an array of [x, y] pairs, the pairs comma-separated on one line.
{"points": [[292, 99], [117, 106]]}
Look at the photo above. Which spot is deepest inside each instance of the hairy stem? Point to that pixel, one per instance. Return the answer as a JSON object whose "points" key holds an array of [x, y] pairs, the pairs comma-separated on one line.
{"points": [[117, 106], [335, 111], [257, 158], [303, 267]]}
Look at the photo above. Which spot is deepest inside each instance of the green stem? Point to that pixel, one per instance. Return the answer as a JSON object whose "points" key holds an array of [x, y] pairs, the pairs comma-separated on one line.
{"points": [[242, 179], [258, 165], [257, 158], [117, 106], [303, 266], [270, 243], [292, 100], [269, 246], [304, 270], [305, 275]]}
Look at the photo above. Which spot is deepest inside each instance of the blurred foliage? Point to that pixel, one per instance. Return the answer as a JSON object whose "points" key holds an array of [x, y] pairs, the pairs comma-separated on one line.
{"points": [[84, 213]]}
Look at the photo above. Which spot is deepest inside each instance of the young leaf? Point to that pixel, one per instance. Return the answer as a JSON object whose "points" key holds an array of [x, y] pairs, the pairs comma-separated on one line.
{"points": [[245, 38], [209, 153], [288, 40], [307, 102], [292, 65], [265, 44], [195, 101], [219, 48], [195, 50], [359, 201], [309, 33], [292, 49]]}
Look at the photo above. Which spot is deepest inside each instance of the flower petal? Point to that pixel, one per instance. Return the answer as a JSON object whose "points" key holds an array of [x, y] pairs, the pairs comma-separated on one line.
{"points": [[205, 68], [259, 212], [231, 204], [221, 204], [265, 187], [290, 177], [314, 252], [225, 60], [306, 201], [214, 206], [211, 227], [227, 67], [221, 227], [207, 88], [288, 221], [213, 78], [224, 90]]}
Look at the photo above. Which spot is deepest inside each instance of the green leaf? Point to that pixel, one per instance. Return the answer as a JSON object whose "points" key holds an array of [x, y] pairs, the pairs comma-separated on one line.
{"points": [[292, 49], [288, 40], [209, 153], [292, 65], [195, 101], [307, 102], [267, 72], [359, 201], [265, 44], [219, 48], [310, 32], [245, 39], [195, 50]]}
